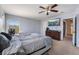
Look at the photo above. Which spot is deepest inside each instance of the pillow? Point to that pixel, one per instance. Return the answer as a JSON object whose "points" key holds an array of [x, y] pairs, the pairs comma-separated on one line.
{"points": [[4, 42], [35, 34], [24, 34], [6, 35]]}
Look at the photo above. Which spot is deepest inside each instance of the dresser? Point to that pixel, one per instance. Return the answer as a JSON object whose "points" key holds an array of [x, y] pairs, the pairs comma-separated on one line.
{"points": [[56, 35]]}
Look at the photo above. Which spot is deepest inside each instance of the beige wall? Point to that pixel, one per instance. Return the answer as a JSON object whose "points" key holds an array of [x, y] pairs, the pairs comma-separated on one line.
{"points": [[69, 27]]}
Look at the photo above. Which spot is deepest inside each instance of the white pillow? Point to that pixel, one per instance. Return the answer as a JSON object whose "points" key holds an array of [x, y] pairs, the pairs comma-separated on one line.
{"points": [[35, 34], [24, 34]]}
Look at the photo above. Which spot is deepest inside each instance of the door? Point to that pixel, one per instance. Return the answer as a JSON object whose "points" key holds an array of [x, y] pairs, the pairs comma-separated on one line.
{"points": [[74, 31]]}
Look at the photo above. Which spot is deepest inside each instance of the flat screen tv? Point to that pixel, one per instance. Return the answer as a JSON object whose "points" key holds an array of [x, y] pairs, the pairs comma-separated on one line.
{"points": [[54, 22]]}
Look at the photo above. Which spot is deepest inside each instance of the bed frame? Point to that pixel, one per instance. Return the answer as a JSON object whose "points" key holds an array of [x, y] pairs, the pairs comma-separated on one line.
{"points": [[42, 51]]}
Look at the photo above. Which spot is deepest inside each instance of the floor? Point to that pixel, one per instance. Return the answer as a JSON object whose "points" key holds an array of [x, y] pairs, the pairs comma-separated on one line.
{"points": [[63, 47]]}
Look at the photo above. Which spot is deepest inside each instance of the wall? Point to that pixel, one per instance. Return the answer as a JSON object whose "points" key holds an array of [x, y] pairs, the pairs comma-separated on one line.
{"points": [[77, 39], [44, 25], [69, 27], [2, 20], [25, 25]]}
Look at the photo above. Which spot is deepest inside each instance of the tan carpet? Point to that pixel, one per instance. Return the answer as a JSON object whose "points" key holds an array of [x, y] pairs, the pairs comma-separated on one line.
{"points": [[64, 47]]}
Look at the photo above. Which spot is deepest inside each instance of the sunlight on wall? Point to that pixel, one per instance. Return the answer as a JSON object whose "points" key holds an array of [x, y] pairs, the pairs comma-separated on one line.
{"points": [[14, 23], [1, 25]]}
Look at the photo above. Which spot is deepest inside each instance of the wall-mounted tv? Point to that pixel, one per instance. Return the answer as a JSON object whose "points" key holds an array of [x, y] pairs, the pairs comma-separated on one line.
{"points": [[54, 22]]}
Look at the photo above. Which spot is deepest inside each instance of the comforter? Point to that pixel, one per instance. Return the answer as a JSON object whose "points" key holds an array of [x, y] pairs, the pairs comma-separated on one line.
{"points": [[27, 44]]}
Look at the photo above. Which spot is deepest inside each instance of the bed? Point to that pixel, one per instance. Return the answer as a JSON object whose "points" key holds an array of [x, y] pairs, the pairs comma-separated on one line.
{"points": [[32, 44]]}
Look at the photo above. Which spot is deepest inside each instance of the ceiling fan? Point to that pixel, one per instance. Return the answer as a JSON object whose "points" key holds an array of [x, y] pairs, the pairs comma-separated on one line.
{"points": [[48, 9]]}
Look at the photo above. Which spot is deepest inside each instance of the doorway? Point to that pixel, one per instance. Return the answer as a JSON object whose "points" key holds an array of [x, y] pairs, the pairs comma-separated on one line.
{"points": [[68, 29]]}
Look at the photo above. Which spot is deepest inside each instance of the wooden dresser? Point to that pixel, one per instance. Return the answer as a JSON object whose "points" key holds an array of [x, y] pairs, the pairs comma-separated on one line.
{"points": [[53, 34]]}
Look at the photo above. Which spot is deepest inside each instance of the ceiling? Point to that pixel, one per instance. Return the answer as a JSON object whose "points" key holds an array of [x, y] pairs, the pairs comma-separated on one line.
{"points": [[31, 10]]}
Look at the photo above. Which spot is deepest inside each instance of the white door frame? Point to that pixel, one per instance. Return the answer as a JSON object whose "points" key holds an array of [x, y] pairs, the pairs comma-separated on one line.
{"points": [[74, 31]]}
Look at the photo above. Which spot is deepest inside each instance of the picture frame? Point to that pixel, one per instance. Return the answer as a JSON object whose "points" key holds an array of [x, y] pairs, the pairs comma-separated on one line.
{"points": [[54, 22]]}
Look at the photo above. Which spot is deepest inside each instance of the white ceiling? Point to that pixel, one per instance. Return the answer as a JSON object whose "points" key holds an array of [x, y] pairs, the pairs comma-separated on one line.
{"points": [[31, 10]]}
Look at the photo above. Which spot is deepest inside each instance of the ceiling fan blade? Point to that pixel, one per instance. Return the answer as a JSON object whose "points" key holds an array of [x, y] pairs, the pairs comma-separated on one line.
{"points": [[42, 7], [47, 13], [41, 12], [54, 5], [54, 10]]}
